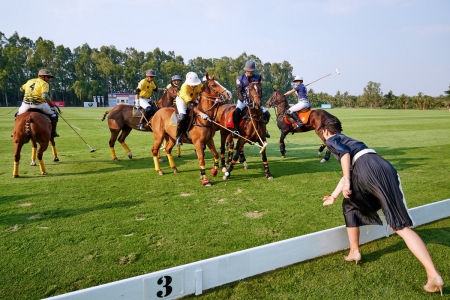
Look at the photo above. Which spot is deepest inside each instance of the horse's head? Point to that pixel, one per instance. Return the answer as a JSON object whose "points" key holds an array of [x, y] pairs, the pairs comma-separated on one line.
{"points": [[254, 92], [169, 95], [276, 98], [215, 89]]}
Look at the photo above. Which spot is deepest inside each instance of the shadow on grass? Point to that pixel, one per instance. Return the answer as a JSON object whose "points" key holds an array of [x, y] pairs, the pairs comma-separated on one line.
{"points": [[38, 216]]}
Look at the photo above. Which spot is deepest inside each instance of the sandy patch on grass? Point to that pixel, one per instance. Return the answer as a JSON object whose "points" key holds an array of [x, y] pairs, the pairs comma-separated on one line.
{"points": [[254, 214], [34, 217], [238, 191], [14, 228], [25, 204], [185, 194], [221, 201]]}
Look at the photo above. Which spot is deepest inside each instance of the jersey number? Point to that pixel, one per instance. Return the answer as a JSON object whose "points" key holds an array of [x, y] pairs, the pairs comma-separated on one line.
{"points": [[32, 86]]}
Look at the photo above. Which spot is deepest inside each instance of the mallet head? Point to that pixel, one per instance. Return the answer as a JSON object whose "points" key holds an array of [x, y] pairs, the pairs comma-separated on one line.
{"points": [[337, 71]]}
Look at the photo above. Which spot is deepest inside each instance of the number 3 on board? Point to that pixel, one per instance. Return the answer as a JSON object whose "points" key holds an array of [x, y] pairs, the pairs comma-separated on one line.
{"points": [[164, 286]]}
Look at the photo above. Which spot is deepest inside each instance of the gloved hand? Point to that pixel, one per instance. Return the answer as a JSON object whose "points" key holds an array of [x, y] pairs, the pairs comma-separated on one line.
{"points": [[204, 116]]}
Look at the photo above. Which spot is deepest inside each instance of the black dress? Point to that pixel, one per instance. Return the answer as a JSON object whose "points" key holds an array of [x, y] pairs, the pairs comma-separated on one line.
{"points": [[375, 185]]}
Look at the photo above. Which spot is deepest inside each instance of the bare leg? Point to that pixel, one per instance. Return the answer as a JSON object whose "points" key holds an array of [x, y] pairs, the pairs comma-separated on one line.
{"points": [[353, 237], [418, 248]]}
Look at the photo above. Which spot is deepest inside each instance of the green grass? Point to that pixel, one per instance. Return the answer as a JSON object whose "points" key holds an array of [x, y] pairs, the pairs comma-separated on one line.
{"points": [[93, 220]]}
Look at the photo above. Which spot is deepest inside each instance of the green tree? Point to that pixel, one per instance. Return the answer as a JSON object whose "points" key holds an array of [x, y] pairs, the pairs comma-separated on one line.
{"points": [[372, 95], [390, 99]]}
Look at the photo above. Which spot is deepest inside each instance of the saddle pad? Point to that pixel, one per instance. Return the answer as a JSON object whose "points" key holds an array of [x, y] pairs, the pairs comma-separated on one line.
{"points": [[137, 112], [173, 119], [229, 120], [303, 116]]}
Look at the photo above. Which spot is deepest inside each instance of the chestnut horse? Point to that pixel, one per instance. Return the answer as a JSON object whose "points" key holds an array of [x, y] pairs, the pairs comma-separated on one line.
{"points": [[201, 132], [314, 122], [34, 126], [252, 129], [121, 121]]}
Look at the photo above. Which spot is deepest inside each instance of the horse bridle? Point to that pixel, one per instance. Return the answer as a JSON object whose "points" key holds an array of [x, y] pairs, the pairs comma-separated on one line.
{"points": [[278, 99], [250, 96]]}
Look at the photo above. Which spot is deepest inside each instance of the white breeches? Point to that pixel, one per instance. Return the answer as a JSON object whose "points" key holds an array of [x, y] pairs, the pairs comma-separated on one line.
{"points": [[181, 106], [46, 109], [143, 103], [303, 103]]}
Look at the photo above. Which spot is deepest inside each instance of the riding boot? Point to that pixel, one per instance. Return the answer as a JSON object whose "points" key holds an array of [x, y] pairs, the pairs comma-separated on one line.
{"points": [[294, 116], [236, 120], [267, 118], [181, 127], [147, 115], [54, 120]]}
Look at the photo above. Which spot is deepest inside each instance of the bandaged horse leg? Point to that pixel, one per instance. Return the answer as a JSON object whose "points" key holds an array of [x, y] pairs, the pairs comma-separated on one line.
{"points": [[172, 162], [127, 150]]}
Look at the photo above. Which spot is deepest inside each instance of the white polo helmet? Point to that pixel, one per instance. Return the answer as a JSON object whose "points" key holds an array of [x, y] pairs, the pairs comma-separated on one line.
{"points": [[298, 78], [192, 79]]}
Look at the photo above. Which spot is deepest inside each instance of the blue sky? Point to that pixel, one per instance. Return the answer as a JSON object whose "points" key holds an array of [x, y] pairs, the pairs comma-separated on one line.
{"points": [[402, 44]]}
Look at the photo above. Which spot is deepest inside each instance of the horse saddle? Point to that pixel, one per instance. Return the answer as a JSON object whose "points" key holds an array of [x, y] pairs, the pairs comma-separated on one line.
{"points": [[38, 111], [229, 120], [303, 116], [137, 112]]}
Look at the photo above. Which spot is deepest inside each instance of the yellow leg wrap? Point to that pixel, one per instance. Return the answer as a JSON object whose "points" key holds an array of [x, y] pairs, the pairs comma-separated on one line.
{"points": [[203, 169], [33, 153], [41, 165], [113, 152], [55, 154], [125, 146], [216, 164], [156, 161], [159, 154], [16, 169], [171, 161]]}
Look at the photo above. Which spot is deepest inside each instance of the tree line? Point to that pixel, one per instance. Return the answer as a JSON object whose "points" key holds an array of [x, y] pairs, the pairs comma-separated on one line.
{"points": [[85, 72]]}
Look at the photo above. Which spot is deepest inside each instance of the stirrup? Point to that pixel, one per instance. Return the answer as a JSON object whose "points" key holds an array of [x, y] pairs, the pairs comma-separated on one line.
{"points": [[267, 134], [55, 134], [235, 133], [179, 141]]}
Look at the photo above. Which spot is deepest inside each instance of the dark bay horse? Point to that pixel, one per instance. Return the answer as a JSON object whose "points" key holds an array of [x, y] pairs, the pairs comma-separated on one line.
{"points": [[314, 122], [201, 131], [121, 121], [252, 130], [34, 126]]}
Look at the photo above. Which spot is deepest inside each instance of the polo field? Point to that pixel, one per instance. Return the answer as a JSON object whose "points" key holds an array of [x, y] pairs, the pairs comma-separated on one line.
{"points": [[93, 220]]}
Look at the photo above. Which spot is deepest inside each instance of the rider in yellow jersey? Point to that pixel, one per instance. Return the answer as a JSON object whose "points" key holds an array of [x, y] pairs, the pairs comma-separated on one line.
{"points": [[175, 81], [37, 97], [189, 92], [143, 93]]}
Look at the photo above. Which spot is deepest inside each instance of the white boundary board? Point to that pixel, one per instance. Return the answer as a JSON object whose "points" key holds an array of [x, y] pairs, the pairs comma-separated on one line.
{"points": [[205, 274]]}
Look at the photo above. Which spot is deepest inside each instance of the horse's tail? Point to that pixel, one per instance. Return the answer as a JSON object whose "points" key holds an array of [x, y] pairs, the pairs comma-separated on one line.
{"points": [[105, 114], [28, 120]]}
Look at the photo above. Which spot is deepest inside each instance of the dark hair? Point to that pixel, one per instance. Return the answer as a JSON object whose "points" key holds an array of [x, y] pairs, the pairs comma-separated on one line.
{"points": [[333, 125]]}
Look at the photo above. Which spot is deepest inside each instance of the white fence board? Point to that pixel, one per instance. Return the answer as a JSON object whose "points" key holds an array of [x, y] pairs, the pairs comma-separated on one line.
{"points": [[202, 275]]}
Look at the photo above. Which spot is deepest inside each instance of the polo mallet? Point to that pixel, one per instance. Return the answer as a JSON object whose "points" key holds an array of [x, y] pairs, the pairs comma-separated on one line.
{"points": [[256, 130], [251, 143], [92, 150], [323, 77]]}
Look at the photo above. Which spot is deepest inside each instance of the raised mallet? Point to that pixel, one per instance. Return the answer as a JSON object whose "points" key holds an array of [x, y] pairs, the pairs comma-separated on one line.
{"points": [[323, 77]]}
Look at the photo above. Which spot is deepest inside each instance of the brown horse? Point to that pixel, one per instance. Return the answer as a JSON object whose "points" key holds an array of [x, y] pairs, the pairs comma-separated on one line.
{"points": [[121, 121], [252, 129], [34, 126], [316, 118], [201, 131]]}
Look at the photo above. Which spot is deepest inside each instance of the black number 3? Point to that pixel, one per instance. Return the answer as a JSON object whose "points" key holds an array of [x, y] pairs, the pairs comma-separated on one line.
{"points": [[166, 286]]}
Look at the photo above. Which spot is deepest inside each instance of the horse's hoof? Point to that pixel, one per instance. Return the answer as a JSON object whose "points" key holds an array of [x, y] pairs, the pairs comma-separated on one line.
{"points": [[175, 170], [245, 165], [33, 163], [224, 169], [161, 172], [44, 173], [319, 154], [206, 182], [116, 159], [213, 172], [130, 155], [15, 176], [323, 160], [55, 158], [269, 176]]}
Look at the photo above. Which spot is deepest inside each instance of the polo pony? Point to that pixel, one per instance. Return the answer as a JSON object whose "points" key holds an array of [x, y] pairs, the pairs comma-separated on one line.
{"points": [[35, 127], [121, 120], [200, 131], [252, 129], [312, 120]]}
